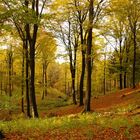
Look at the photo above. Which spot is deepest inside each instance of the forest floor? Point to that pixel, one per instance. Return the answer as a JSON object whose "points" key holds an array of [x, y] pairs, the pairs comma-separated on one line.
{"points": [[102, 103], [115, 116]]}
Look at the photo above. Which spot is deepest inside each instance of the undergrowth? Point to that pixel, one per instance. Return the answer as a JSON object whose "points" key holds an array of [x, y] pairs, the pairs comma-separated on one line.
{"points": [[69, 122]]}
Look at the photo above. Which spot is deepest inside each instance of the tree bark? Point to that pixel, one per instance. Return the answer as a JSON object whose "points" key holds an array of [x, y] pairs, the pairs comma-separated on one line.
{"points": [[83, 67], [104, 81], [134, 56], [82, 79], [22, 81], [43, 94], [72, 63], [125, 80], [44, 80], [31, 38], [10, 63], [27, 79], [88, 59], [32, 76], [120, 43]]}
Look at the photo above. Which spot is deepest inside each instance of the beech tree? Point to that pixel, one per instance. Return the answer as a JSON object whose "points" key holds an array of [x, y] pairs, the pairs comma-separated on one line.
{"points": [[32, 11], [95, 11], [45, 52], [128, 14], [66, 30], [81, 11], [133, 13]]}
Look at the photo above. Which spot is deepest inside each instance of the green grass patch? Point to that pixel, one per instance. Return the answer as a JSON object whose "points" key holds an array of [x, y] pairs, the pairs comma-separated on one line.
{"points": [[53, 99], [69, 122]]}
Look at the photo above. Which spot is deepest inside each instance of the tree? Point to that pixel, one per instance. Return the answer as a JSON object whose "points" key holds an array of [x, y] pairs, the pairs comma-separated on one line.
{"points": [[133, 9], [28, 33], [45, 50], [71, 47], [94, 12], [31, 31], [66, 30], [81, 14], [81, 10], [128, 15], [10, 69], [14, 17], [88, 55]]}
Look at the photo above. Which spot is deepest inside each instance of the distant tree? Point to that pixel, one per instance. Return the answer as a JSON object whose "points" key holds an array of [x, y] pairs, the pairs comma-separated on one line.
{"points": [[133, 13], [10, 69], [45, 50]]}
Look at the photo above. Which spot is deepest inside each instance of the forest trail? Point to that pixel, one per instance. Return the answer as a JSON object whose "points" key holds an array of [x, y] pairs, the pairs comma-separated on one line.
{"points": [[102, 103]]}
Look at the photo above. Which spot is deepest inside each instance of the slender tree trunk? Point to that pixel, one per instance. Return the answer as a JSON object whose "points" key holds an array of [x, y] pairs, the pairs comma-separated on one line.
{"points": [[121, 86], [125, 82], [134, 56], [44, 80], [104, 74], [1, 87], [72, 69], [110, 84], [120, 81], [32, 82], [45, 74], [10, 71], [115, 83], [27, 79], [43, 68], [73, 89], [72, 63], [88, 59], [10, 63], [22, 82], [65, 80], [1, 84], [82, 79], [83, 66]]}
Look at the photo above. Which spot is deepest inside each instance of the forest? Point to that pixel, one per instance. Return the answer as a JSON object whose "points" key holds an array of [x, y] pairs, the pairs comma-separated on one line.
{"points": [[69, 69]]}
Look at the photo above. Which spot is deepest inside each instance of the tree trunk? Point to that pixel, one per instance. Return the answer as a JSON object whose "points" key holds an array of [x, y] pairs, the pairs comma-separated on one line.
{"points": [[32, 82], [65, 80], [125, 80], [73, 89], [31, 32], [10, 70], [88, 59], [127, 45], [43, 68], [120, 43], [44, 80], [22, 82], [104, 74], [1, 87], [121, 81], [72, 63], [27, 79], [134, 56], [1, 84], [83, 67], [82, 79]]}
